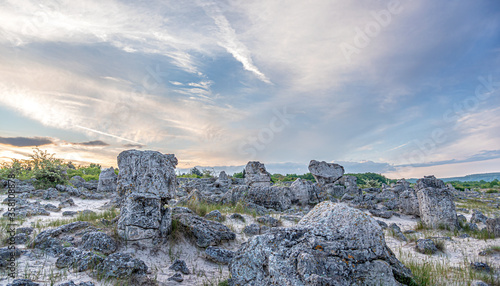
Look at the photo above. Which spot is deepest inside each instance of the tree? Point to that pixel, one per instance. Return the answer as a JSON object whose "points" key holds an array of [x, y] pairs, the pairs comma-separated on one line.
{"points": [[196, 172]]}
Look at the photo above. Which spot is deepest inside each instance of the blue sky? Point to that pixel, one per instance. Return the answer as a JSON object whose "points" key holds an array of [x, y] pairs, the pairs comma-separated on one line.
{"points": [[403, 88]]}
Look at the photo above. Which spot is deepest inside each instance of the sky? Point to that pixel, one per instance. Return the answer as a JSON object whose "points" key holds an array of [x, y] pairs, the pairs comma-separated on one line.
{"points": [[400, 88]]}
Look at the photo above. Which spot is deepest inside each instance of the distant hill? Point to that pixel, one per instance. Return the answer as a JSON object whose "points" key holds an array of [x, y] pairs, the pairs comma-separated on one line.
{"points": [[487, 177]]}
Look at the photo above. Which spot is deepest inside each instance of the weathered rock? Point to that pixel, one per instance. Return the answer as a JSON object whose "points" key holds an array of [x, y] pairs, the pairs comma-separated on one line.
{"points": [[396, 231], [77, 259], [142, 217], [325, 173], [493, 226], [77, 181], [107, 180], [223, 181], [461, 219], [7, 254], [334, 190], [23, 282], [408, 203], [426, 246], [121, 265], [69, 213], [332, 245], [256, 174], [26, 230], [51, 207], [478, 283], [146, 172], [252, 229], [382, 213], [478, 217], [301, 191], [66, 203], [277, 198], [49, 241], [215, 215], [382, 224], [268, 220], [480, 266], [205, 232], [177, 277], [20, 238], [219, 255], [99, 241], [429, 182], [237, 216], [436, 206], [180, 265], [71, 283]]}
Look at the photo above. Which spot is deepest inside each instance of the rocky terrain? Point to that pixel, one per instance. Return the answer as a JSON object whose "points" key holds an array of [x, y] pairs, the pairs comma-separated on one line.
{"points": [[145, 226]]}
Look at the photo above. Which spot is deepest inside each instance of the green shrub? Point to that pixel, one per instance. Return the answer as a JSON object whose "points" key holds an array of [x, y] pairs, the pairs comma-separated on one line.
{"points": [[47, 170]]}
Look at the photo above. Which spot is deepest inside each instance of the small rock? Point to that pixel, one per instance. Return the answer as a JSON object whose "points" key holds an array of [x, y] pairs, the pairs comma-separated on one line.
{"points": [[382, 224], [478, 217], [177, 277], [237, 216], [214, 215], [397, 232], [121, 265], [66, 203], [51, 207], [180, 265], [268, 220], [23, 282], [382, 214], [480, 266], [99, 241], [426, 246], [27, 230], [478, 283], [219, 255], [69, 213], [461, 219], [252, 229]]}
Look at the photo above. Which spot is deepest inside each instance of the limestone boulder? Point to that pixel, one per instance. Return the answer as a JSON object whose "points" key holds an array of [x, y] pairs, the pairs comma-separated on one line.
{"points": [[325, 173], [107, 180], [332, 245], [147, 172], [256, 174]]}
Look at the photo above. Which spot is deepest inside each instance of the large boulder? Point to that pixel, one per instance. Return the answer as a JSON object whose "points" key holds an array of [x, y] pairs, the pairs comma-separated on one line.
{"points": [[408, 203], [332, 245], [301, 190], [493, 226], [325, 173], [146, 172], [436, 206], [205, 232], [277, 198], [256, 174], [144, 218], [107, 180]]}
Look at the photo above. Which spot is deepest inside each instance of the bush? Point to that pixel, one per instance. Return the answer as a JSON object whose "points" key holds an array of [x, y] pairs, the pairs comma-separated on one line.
{"points": [[47, 170]]}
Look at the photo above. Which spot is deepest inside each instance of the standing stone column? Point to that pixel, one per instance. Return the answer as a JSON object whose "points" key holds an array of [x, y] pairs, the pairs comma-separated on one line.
{"points": [[146, 182]]}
